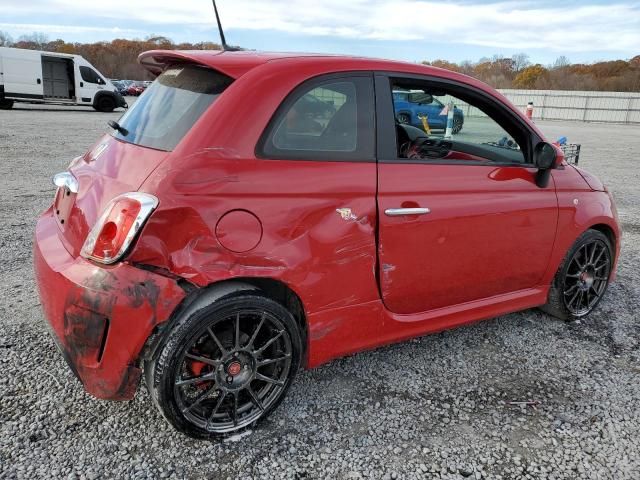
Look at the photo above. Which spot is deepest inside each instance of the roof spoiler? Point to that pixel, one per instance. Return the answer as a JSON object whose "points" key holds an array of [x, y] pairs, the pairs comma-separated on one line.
{"points": [[157, 60]]}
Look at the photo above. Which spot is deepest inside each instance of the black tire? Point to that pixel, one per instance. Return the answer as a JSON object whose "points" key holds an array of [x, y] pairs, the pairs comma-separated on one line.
{"points": [[582, 279], [457, 126], [404, 118], [6, 104], [105, 103], [231, 395]]}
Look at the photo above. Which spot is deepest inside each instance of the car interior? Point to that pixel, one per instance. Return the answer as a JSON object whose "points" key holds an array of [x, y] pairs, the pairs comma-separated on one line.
{"points": [[487, 137]]}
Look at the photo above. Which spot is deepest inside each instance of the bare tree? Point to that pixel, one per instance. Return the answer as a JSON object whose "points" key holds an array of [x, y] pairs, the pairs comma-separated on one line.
{"points": [[561, 62], [520, 61], [5, 39], [34, 41]]}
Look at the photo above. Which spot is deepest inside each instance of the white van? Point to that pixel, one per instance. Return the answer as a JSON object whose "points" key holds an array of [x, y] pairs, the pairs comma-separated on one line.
{"points": [[46, 77]]}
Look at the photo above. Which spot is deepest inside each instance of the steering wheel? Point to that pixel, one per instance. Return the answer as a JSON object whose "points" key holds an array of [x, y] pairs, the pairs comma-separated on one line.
{"points": [[429, 148]]}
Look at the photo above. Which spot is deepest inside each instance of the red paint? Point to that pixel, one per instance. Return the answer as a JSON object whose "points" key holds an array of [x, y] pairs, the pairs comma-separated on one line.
{"points": [[481, 217], [491, 244], [239, 231]]}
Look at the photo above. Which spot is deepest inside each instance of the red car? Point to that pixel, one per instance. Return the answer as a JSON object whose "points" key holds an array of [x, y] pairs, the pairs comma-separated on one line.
{"points": [[225, 234], [136, 89]]}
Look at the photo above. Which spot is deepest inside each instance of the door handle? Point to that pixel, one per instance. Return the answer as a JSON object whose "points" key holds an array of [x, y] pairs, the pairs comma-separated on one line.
{"points": [[395, 212]]}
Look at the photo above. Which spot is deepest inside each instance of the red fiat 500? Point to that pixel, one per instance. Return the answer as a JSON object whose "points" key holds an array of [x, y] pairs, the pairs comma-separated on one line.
{"points": [[229, 231]]}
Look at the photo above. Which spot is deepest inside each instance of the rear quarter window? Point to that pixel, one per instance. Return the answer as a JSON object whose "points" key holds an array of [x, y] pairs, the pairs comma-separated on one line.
{"points": [[168, 109], [326, 118]]}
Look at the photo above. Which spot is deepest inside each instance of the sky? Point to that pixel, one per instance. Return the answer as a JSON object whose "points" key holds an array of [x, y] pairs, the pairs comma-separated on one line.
{"points": [[413, 30]]}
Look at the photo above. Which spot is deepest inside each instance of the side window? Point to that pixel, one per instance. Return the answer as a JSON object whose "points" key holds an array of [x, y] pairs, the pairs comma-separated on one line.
{"points": [[440, 123], [324, 120], [90, 75]]}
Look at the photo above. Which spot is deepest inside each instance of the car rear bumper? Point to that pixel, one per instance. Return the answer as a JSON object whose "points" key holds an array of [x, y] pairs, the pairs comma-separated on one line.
{"points": [[100, 316]]}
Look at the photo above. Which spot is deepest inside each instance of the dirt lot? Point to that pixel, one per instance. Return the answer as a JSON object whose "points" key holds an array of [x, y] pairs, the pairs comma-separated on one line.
{"points": [[435, 407]]}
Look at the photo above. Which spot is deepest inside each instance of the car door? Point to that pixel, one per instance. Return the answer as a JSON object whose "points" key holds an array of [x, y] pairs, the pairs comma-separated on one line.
{"points": [[459, 219], [90, 82]]}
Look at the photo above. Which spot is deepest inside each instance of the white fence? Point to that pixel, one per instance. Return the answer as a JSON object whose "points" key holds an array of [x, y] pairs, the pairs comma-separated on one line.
{"points": [[609, 107]]}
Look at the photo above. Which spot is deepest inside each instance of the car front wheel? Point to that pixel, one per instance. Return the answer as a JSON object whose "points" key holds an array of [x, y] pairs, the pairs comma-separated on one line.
{"points": [[226, 366], [404, 118], [105, 104], [582, 278]]}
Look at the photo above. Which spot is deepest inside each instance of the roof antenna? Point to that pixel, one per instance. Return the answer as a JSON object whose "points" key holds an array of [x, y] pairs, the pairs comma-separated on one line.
{"points": [[225, 47]]}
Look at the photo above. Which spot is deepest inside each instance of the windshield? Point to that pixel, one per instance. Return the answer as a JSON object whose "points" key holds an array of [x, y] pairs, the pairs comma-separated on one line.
{"points": [[170, 106]]}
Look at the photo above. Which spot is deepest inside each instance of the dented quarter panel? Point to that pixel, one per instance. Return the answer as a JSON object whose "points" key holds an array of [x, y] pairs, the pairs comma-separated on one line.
{"points": [[306, 243]]}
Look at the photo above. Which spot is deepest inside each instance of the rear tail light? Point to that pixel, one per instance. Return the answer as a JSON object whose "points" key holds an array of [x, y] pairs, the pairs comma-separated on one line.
{"points": [[118, 226]]}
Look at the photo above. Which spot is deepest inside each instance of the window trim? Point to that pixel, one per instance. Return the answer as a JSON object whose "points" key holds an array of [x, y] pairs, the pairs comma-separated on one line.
{"points": [[366, 142], [95, 73], [387, 150]]}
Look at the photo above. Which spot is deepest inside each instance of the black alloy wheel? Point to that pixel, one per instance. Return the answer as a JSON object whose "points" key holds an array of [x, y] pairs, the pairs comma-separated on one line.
{"points": [[583, 277], [586, 278], [227, 366]]}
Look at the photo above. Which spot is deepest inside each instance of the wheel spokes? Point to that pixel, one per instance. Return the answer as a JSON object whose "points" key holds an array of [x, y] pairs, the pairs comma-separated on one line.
{"points": [[224, 360], [269, 361], [589, 267], [266, 345], [208, 361], [237, 342], [255, 333], [215, 409], [235, 409], [255, 398], [575, 295], [200, 378], [199, 399], [264, 378], [571, 289], [215, 339]]}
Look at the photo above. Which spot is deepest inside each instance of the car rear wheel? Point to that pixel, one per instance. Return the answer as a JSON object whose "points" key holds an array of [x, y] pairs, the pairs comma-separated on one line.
{"points": [[226, 366], [457, 126], [105, 104], [582, 278], [6, 104]]}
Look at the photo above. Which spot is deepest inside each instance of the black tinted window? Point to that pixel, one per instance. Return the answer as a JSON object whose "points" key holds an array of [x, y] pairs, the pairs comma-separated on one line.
{"points": [[324, 120], [171, 105], [90, 75]]}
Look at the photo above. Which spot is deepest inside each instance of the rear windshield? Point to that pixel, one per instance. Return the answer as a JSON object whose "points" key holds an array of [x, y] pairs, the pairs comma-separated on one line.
{"points": [[171, 105]]}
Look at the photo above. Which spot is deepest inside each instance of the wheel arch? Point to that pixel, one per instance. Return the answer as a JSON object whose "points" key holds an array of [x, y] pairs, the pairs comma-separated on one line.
{"points": [[608, 232], [199, 298], [103, 93]]}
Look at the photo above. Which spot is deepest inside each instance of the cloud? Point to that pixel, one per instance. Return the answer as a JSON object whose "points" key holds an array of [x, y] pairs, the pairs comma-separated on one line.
{"points": [[519, 24], [66, 29]]}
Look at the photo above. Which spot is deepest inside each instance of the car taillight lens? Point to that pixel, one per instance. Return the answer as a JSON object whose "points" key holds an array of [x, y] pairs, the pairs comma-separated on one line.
{"points": [[118, 226]]}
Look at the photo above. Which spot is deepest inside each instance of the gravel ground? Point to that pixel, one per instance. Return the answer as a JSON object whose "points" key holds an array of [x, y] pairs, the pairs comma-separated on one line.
{"points": [[434, 407]]}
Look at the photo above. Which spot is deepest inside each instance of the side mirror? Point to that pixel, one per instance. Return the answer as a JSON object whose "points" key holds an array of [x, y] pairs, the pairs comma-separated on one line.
{"points": [[544, 157]]}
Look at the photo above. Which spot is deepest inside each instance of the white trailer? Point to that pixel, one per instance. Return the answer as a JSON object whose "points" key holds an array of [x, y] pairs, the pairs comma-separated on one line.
{"points": [[58, 78]]}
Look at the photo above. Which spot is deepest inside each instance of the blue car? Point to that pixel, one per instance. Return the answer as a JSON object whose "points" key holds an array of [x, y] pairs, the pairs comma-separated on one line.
{"points": [[410, 106]]}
